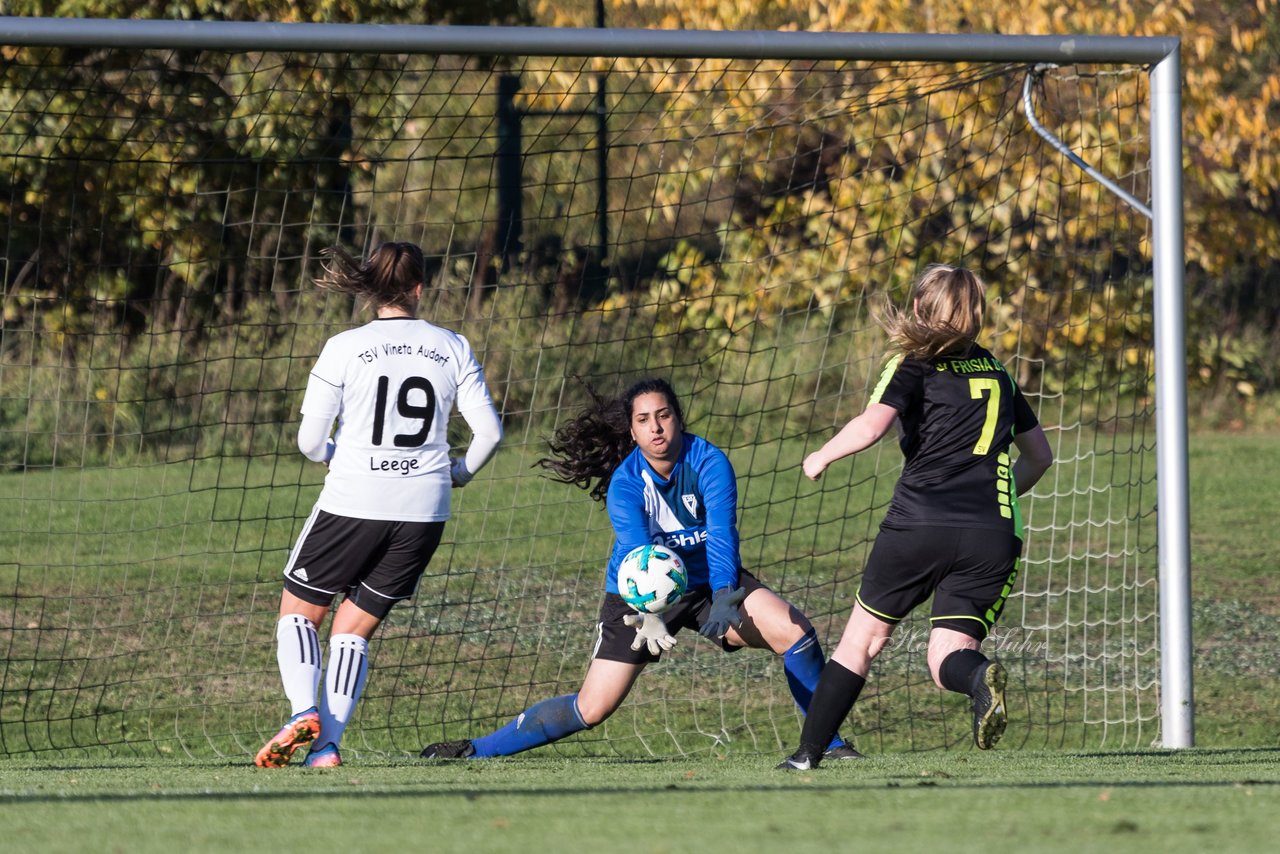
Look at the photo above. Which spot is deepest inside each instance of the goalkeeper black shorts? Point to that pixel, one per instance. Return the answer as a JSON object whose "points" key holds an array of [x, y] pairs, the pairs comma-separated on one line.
{"points": [[614, 637]]}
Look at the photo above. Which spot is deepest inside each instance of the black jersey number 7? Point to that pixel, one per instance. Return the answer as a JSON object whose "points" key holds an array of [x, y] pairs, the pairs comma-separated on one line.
{"points": [[990, 387], [424, 412]]}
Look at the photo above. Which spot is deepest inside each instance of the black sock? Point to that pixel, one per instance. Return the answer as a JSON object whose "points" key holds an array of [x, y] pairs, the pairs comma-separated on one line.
{"points": [[835, 695], [958, 669]]}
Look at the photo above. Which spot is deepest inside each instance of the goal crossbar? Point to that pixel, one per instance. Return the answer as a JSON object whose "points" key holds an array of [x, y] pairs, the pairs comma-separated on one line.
{"points": [[574, 41]]}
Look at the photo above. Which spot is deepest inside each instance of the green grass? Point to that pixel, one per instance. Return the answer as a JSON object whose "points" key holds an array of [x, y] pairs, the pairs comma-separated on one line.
{"points": [[1234, 505], [118, 574], [141, 603], [1235, 587], [998, 801], [215, 519]]}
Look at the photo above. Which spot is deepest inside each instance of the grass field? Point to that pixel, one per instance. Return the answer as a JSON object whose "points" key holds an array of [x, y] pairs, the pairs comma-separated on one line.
{"points": [[960, 800], [1223, 794]]}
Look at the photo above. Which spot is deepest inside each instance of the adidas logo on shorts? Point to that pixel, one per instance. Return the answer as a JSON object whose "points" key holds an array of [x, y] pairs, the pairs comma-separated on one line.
{"points": [[301, 573]]}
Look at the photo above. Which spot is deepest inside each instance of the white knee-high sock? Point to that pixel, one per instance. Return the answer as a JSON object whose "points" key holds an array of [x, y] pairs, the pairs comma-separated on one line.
{"points": [[298, 654], [344, 680]]}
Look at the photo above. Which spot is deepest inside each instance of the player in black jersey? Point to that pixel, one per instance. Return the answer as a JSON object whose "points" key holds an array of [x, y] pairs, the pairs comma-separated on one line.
{"points": [[953, 530]]}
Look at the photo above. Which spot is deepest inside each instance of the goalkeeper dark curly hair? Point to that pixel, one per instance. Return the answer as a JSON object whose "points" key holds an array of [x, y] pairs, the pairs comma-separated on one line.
{"points": [[595, 441]]}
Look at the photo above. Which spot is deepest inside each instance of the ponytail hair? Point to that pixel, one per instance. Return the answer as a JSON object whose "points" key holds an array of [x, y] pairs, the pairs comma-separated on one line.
{"points": [[386, 279], [947, 309]]}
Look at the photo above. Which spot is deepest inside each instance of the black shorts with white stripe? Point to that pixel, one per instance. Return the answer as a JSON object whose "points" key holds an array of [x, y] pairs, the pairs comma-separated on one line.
{"points": [[614, 637], [375, 562]]}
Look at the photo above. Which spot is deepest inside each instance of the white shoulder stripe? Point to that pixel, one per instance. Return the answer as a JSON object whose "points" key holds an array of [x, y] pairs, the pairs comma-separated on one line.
{"points": [[661, 516]]}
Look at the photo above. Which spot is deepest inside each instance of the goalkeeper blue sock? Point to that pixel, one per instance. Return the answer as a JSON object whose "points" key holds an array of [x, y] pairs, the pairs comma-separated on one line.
{"points": [[803, 665], [542, 723]]}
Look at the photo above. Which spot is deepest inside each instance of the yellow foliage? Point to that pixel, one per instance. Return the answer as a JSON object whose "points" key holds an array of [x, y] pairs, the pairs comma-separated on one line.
{"points": [[1231, 94]]}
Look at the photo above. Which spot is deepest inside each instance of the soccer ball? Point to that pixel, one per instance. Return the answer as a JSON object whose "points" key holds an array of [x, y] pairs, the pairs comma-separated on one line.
{"points": [[651, 579]]}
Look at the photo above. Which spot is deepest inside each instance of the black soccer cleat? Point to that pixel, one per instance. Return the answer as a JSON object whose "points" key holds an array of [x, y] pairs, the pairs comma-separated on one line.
{"points": [[449, 750], [804, 759], [989, 714], [844, 751]]}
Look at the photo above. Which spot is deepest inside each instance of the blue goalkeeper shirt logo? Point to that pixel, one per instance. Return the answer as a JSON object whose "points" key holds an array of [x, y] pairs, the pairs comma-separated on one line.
{"points": [[648, 509]]}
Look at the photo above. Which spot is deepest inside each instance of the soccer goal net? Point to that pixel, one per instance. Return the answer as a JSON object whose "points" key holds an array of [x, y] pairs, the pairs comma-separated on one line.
{"points": [[727, 223]]}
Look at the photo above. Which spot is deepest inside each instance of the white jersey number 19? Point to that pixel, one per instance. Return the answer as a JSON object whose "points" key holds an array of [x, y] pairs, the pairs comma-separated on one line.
{"points": [[424, 412]]}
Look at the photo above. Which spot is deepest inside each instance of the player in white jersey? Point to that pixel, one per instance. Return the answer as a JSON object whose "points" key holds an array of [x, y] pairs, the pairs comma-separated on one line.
{"points": [[390, 385]]}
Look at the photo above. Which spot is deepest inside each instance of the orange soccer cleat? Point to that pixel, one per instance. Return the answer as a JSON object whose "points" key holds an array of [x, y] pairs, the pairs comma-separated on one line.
{"points": [[300, 731]]}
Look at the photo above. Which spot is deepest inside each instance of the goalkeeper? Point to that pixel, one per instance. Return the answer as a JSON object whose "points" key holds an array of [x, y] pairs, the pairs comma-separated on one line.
{"points": [[660, 485], [390, 385], [953, 530]]}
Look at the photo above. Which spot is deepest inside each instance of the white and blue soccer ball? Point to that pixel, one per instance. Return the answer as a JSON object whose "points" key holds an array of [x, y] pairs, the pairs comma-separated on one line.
{"points": [[651, 579]]}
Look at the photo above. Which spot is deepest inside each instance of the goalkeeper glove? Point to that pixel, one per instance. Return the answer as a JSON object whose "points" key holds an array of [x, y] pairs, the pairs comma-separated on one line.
{"points": [[724, 612], [651, 630]]}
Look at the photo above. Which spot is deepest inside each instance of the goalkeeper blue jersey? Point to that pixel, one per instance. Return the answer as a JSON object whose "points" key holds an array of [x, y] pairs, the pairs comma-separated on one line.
{"points": [[693, 512]]}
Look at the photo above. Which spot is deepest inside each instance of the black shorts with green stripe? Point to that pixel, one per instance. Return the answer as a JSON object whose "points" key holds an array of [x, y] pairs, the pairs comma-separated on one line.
{"points": [[970, 572]]}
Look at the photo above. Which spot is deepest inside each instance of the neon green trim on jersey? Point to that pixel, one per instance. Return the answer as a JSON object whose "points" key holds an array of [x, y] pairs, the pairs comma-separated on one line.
{"points": [[1013, 499], [1016, 507], [887, 374], [874, 612], [1013, 487]]}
